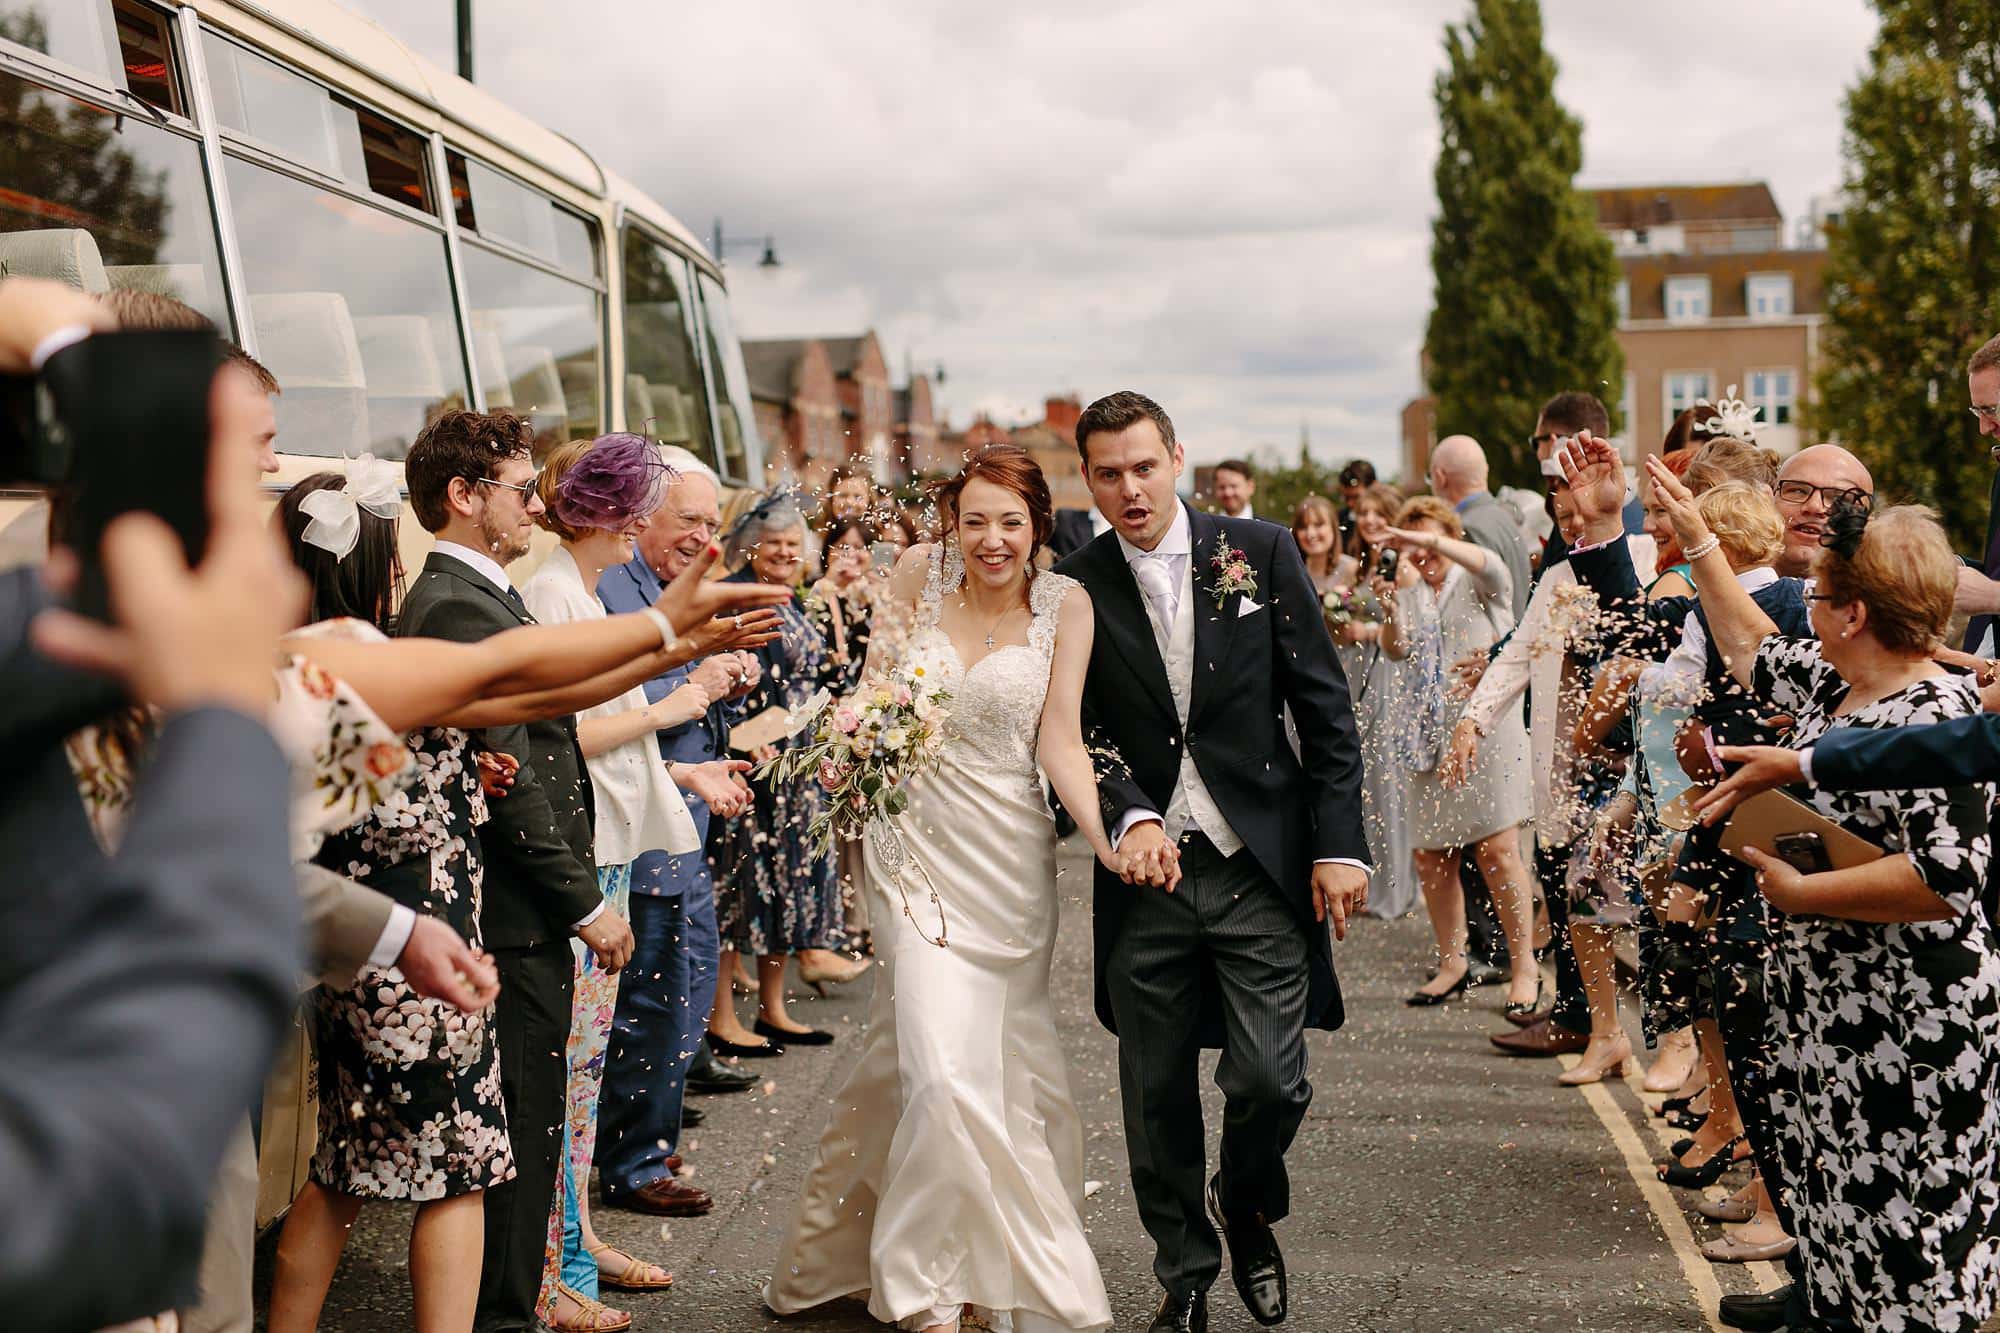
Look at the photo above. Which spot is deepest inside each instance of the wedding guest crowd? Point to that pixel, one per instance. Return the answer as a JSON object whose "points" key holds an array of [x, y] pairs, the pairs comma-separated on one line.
{"points": [[523, 815]]}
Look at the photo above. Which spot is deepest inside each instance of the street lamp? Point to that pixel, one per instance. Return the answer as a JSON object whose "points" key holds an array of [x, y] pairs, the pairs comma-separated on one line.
{"points": [[718, 245]]}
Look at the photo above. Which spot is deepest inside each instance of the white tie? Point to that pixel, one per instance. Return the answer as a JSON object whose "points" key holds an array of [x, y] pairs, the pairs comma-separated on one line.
{"points": [[1156, 577]]}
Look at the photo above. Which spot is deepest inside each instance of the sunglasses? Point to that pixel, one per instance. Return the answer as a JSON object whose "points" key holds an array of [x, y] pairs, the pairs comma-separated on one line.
{"points": [[524, 487]]}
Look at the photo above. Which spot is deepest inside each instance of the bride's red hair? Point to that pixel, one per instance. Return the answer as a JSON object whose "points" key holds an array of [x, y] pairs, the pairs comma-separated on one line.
{"points": [[1011, 467]]}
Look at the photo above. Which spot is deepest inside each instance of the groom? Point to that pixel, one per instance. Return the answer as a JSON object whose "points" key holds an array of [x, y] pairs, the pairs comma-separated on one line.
{"points": [[1236, 853]]}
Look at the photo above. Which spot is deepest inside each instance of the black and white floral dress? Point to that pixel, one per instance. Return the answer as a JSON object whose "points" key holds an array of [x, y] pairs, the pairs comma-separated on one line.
{"points": [[409, 1088], [1887, 1086]]}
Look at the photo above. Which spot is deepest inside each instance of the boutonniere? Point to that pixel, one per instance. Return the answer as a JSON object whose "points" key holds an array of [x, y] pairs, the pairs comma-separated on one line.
{"points": [[1232, 572]]}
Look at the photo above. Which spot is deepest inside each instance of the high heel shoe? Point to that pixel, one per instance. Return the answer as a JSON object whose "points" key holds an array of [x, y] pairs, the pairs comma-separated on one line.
{"points": [[1423, 999], [1519, 1014], [819, 977], [1656, 1077], [1673, 1104], [1687, 1121], [1679, 1174], [1585, 1072]]}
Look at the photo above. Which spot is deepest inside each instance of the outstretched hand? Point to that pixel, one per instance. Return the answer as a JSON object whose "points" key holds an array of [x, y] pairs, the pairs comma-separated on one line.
{"points": [[1596, 478], [1760, 768], [693, 598], [1674, 497]]}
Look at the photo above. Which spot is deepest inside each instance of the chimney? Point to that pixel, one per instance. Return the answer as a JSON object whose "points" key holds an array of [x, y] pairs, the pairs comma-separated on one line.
{"points": [[1062, 414]]}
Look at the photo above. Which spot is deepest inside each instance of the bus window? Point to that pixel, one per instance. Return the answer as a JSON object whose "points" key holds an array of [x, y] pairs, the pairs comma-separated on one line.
{"points": [[305, 123], [117, 43], [100, 200], [663, 385], [353, 312], [498, 207], [537, 346], [734, 417]]}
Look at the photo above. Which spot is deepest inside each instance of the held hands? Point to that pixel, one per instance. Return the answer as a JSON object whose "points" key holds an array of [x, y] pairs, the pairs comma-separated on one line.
{"points": [[1339, 891], [1145, 856], [720, 784], [609, 938], [441, 966], [1761, 767]]}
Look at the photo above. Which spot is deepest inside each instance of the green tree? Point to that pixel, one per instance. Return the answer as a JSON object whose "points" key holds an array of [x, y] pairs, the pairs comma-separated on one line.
{"points": [[1913, 264], [1525, 283]]}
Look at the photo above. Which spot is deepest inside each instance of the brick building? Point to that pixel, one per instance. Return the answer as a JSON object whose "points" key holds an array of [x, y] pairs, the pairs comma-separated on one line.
{"points": [[1711, 296], [797, 404], [916, 429]]}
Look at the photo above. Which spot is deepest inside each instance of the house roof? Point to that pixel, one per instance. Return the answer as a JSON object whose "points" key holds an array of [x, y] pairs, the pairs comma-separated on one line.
{"points": [[1728, 273], [1637, 207], [770, 364]]}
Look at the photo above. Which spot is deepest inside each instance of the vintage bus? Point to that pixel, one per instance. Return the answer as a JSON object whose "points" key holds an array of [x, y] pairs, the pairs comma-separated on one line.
{"points": [[386, 237]]}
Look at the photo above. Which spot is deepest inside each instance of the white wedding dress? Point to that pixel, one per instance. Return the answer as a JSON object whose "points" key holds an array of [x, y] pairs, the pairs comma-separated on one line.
{"points": [[952, 1170]]}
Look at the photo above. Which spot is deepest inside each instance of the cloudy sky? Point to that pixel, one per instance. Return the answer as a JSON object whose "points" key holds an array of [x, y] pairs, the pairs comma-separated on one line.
{"points": [[1227, 207]]}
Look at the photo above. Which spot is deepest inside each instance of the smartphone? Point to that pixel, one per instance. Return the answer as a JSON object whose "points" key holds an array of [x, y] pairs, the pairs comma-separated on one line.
{"points": [[125, 423], [1804, 852], [883, 554], [1387, 567]]}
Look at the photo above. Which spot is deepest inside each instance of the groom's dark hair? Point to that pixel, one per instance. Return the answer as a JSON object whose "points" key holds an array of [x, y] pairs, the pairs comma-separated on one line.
{"points": [[1114, 412]]}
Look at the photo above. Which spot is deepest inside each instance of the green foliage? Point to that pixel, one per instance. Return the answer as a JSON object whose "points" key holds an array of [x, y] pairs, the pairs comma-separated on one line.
{"points": [[1525, 302], [1281, 486], [1913, 266]]}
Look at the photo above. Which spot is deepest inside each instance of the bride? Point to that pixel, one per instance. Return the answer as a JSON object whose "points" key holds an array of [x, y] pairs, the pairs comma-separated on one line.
{"points": [[949, 1181]]}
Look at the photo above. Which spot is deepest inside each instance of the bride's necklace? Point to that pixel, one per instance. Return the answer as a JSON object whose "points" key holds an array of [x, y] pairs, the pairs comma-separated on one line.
{"points": [[998, 620]]}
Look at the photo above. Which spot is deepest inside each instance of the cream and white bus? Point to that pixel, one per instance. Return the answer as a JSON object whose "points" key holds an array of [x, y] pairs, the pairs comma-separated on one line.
{"points": [[386, 237]]}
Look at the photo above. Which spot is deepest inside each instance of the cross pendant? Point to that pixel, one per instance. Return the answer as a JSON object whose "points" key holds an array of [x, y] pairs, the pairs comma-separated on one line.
{"points": [[989, 641]]}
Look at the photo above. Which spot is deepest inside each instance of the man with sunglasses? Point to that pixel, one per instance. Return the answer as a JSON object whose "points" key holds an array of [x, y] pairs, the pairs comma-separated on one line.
{"points": [[1979, 585]]}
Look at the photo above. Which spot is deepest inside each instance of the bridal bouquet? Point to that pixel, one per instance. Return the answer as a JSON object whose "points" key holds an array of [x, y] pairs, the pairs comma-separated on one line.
{"points": [[864, 748]]}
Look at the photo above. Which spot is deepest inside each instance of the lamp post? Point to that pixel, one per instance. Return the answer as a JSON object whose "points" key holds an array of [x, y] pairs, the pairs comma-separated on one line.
{"points": [[718, 246], [465, 40]]}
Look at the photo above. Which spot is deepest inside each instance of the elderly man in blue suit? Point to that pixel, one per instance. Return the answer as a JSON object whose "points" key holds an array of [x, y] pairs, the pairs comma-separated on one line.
{"points": [[669, 986]]}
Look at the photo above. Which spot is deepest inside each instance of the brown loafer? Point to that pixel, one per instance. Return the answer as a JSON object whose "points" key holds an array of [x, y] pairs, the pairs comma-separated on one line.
{"points": [[1541, 1040], [666, 1197], [1730, 1250]]}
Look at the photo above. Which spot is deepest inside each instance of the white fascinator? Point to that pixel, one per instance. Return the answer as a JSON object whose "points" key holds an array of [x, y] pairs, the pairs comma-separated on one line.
{"points": [[371, 483], [1732, 417]]}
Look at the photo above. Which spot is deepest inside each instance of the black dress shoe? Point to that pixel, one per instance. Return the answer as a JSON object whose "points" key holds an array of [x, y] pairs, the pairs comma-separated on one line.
{"points": [[1765, 1310], [1181, 1314], [810, 1037], [763, 1050], [691, 1116], [706, 1076], [1255, 1264]]}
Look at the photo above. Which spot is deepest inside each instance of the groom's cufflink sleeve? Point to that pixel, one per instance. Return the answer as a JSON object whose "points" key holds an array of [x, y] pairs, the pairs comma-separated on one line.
{"points": [[1131, 819], [1805, 766], [1362, 866]]}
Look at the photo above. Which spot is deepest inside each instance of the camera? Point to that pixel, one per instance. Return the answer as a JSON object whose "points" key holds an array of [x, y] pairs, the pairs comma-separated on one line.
{"points": [[1386, 568]]}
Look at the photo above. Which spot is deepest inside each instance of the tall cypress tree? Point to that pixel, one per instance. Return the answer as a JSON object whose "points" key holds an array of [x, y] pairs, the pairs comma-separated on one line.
{"points": [[1525, 303], [1913, 263]]}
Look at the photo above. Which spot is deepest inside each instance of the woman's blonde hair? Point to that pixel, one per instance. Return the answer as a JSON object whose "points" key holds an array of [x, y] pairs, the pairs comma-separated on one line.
{"points": [[1745, 521], [1726, 458], [1382, 496], [1904, 572], [1434, 509], [560, 460]]}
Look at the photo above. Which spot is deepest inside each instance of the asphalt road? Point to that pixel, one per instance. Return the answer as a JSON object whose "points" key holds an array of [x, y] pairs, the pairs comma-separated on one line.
{"points": [[1437, 1185]]}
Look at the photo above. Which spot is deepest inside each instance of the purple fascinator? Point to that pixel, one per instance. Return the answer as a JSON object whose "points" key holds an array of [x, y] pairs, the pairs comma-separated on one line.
{"points": [[619, 478]]}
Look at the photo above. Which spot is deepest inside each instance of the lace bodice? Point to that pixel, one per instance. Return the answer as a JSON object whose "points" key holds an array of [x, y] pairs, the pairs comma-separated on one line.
{"points": [[996, 704]]}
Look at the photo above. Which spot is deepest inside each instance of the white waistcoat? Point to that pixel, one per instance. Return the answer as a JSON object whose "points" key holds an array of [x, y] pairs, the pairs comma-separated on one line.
{"points": [[1191, 801]]}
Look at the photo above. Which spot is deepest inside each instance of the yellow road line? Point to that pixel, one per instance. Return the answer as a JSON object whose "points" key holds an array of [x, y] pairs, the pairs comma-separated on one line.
{"points": [[1673, 1223]]}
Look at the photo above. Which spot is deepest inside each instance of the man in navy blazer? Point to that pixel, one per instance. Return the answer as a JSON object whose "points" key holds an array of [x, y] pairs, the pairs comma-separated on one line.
{"points": [[667, 991]]}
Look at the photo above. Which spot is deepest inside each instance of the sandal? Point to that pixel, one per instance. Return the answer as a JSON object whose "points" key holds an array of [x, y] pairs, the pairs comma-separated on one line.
{"points": [[591, 1316], [633, 1275]]}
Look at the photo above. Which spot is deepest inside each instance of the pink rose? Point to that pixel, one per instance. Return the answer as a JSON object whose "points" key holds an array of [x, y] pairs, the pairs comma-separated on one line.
{"points": [[902, 696], [830, 774], [846, 720]]}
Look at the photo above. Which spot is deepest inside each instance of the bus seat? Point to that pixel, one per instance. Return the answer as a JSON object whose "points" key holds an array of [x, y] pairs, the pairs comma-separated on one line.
{"points": [[66, 254], [309, 342], [489, 359], [670, 419], [399, 354], [184, 282], [536, 384]]}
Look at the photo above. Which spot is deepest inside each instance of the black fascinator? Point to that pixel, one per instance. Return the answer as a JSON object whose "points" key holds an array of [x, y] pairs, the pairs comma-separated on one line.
{"points": [[1846, 524]]}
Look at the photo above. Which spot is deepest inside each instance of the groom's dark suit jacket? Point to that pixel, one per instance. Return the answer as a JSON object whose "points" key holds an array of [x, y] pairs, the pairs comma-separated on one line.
{"points": [[540, 879], [1290, 811]]}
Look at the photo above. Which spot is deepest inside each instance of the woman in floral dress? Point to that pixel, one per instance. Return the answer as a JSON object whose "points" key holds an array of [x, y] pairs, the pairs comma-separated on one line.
{"points": [[1884, 977], [774, 896]]}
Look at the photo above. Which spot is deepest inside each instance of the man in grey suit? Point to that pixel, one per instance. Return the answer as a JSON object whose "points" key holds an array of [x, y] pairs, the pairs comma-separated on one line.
{"points": [[1458, 477]]}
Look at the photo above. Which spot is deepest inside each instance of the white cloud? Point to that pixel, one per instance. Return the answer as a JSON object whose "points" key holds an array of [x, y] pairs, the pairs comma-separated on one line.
{"points": [[1226, 207]]}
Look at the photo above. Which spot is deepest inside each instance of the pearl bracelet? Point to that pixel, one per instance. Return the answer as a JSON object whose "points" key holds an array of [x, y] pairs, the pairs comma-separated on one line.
{"points": [[1700, 549]]}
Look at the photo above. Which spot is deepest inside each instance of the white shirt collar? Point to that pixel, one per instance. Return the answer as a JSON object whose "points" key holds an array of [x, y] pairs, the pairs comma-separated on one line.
{"points": [[1756, 580], [1249, 511], [479, 560], [1178, 541]]}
